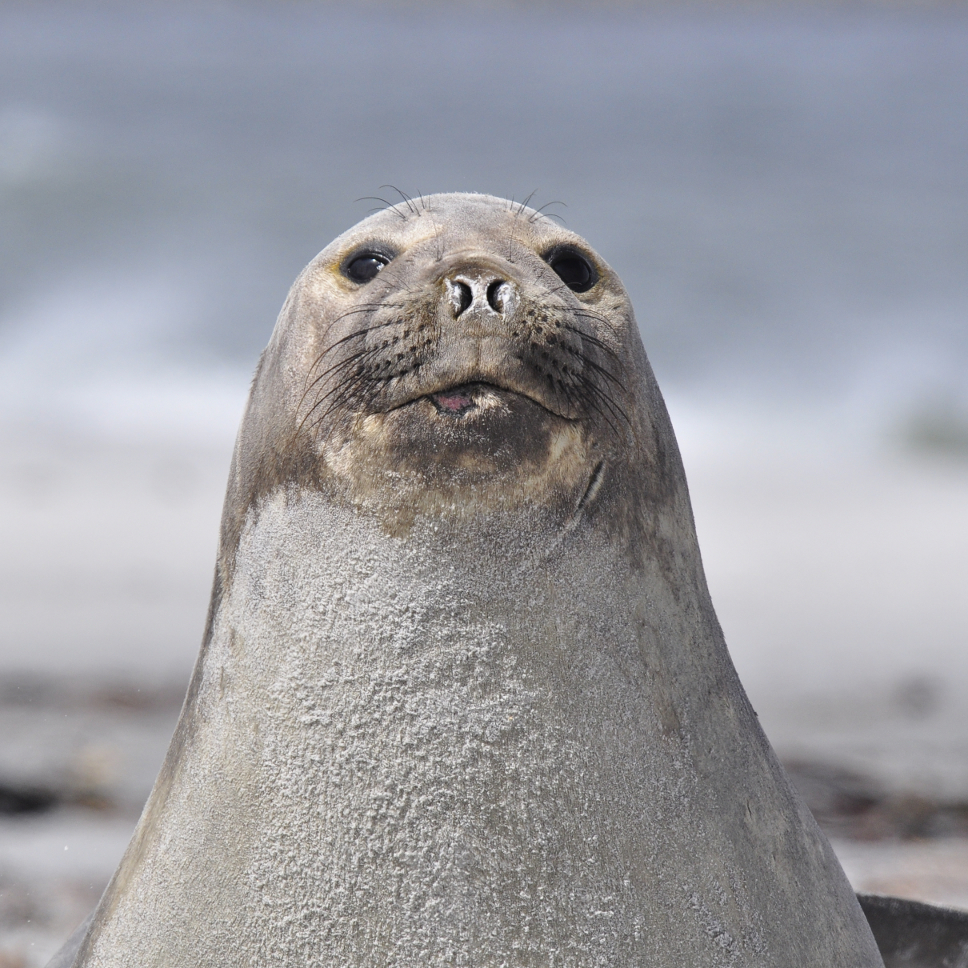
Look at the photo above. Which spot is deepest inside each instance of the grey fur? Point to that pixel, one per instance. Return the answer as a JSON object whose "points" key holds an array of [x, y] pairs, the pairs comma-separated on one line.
{"points": [[463, 699]]}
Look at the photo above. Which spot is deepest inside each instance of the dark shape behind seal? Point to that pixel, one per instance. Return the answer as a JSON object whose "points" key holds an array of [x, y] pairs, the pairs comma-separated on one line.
{"points": [[915, 935]]}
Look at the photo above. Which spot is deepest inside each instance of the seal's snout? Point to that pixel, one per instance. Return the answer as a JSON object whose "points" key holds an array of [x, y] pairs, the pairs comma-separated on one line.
{"points": [[479, 292]]}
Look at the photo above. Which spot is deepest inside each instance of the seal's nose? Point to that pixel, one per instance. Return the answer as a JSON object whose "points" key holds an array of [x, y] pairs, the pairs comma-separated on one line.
{"points": [[483, 292]]}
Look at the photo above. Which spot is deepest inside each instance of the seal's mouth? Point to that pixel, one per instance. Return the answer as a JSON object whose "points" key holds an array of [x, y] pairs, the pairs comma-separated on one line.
{"points": [[472, 398], [457, 401], [467, 400]]}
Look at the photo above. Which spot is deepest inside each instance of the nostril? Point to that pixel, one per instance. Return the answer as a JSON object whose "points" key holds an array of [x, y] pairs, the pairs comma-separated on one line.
{"points": [[461, 297], [496, 294]]}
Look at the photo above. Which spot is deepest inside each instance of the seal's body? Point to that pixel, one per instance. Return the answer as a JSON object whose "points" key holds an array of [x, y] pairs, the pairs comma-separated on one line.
{"points": [[463, 699]]}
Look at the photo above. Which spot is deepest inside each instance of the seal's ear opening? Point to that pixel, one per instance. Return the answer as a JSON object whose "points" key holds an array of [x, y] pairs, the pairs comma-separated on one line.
{"points": [[573, 267]]}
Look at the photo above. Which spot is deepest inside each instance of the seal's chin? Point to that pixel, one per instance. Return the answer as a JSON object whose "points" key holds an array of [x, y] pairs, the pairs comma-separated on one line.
{"points": [[459, 443], [455, 446]]}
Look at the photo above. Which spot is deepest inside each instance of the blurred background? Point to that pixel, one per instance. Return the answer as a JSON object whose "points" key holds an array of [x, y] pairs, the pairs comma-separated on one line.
{"points": [[783, 189]]}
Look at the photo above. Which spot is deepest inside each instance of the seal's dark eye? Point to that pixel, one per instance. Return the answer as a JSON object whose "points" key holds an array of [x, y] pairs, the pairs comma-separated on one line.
{"points": [[574, 270], [365, 266]]}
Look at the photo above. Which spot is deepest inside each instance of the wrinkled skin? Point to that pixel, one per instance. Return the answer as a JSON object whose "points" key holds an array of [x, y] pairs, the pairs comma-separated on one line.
{"points": [[462, 698]]}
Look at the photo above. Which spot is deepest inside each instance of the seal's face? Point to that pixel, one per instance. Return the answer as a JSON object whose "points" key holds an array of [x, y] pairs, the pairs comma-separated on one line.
{"points": [[463, 342]]}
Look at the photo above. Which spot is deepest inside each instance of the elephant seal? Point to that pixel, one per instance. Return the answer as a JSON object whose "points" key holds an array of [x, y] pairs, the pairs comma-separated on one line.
{"points": [[463, 698]]}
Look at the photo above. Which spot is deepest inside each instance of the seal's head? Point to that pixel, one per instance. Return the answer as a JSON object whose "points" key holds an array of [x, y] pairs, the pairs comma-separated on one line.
{"points": [[453, 352]]}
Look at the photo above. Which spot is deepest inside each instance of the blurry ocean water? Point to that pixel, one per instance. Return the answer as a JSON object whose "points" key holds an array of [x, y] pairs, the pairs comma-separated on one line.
{"points": [[783, 190]]}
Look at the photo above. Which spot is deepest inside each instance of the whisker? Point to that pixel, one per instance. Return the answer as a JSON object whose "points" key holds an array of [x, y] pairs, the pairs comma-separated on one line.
{"points": [[591, 314], [340, 394], [568, 395], [362, 381], [386, 205], [524, 204], [347, 362], [319, 402], [343, 364], [587, 361], [590, 402], [539, 211], [593, 341], [368, 307], [404, 196], [596, 408], [356, 334], [608, 401]]}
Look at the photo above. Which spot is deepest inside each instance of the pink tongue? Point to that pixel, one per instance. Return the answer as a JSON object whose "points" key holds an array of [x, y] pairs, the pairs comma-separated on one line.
{"points": [[454, 400]]}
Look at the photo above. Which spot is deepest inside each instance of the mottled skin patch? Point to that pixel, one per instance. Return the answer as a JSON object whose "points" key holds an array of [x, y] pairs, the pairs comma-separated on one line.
{"points": [[462, 698]]}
